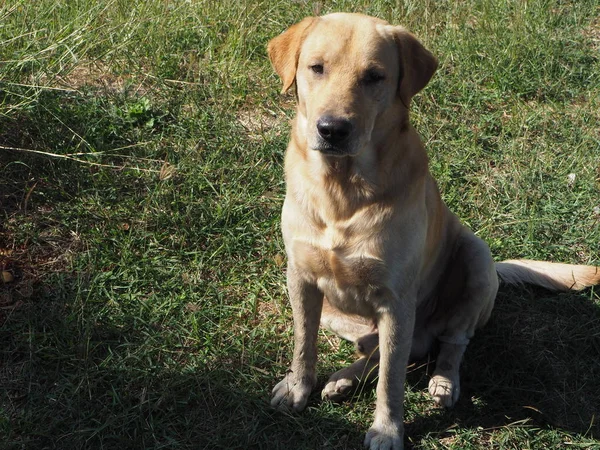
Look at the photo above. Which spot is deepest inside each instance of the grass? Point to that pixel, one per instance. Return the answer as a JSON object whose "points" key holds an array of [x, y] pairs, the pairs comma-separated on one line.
{"points": [[141, 183]]}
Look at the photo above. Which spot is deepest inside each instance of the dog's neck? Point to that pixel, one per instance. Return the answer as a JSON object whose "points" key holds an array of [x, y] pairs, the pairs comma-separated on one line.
{"points": [[349, 173], [348, 184]]}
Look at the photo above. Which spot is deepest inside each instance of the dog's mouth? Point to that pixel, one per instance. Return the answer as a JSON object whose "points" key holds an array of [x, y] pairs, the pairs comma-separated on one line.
{"points": [[328, 149]]}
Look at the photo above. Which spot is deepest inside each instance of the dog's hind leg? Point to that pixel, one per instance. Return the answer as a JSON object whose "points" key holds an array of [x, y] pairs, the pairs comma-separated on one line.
{"points": [[344, 382], [363, 333], [346, 326], [444, 385], [365, 336], [465, 305]]}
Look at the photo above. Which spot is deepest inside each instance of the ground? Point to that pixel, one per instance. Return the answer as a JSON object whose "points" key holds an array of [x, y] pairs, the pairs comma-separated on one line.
{"points": [[141, 148]]}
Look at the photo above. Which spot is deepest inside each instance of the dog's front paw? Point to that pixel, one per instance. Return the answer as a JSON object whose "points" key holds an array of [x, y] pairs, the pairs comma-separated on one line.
{"points": [[291, 393], [444, 390], [385, 437]]}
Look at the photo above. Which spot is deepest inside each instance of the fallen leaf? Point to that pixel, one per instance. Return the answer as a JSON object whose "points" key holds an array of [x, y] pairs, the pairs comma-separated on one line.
{"points": [[7, 277]]}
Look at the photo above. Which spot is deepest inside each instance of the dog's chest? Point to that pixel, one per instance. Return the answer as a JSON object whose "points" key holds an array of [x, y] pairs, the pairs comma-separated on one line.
{"points": [[350, 276]]}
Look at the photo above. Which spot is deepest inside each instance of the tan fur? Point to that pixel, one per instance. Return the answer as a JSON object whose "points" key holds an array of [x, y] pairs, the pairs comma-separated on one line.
{"points": [[553, 276], [373, 252]]}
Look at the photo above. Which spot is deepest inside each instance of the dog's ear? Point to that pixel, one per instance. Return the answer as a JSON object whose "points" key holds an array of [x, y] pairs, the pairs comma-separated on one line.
{"points": [[417, 64], [284, 51]]}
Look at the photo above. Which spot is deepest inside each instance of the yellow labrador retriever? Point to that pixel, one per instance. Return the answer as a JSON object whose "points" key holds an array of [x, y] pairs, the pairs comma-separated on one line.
{"points": [[373, 252]]}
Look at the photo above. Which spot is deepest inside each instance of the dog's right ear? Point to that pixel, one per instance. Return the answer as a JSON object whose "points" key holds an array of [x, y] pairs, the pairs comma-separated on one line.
{"points": [[284, 51]]}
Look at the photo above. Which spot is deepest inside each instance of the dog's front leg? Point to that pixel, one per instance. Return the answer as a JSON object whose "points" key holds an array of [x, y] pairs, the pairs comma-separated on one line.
{"points": [[395, 335], [292, 392]]}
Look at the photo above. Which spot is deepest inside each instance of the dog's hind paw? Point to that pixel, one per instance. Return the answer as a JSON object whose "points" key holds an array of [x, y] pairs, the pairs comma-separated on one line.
{"points": [[344, 382], [338, 390], [444, 391]]}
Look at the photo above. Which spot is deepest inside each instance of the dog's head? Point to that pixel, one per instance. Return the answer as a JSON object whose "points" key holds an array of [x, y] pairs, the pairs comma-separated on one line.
{"points": [[354, 77]]}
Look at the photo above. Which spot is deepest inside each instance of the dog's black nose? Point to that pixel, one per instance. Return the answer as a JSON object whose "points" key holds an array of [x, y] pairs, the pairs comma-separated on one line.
{"points": [[333, 130]]}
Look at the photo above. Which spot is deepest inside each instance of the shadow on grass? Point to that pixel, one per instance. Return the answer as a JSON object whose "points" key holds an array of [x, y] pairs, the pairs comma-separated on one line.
{"points": [[90, 381], [536, 363], [73, 381]]}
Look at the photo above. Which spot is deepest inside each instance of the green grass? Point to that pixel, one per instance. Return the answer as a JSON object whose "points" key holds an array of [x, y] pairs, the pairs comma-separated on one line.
{"points": [[141, 185]]}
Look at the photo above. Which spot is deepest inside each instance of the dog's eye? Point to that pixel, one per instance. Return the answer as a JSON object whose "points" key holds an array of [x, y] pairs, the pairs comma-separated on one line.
{"points": [[317, 68], [373, 76]]}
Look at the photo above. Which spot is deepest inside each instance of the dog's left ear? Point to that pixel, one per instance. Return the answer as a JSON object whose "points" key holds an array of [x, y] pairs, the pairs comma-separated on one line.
{"points": [[417, 64], [284, 51]]}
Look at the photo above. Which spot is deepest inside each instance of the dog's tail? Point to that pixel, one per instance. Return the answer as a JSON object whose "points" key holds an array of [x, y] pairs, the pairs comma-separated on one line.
{"points": [[553, 276]]}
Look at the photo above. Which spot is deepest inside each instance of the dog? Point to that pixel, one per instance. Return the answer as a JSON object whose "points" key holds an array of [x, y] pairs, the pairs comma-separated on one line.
{"points": [[374, 254]]}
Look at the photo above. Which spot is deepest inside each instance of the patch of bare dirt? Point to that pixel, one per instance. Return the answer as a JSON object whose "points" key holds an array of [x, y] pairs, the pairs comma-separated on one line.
{"points": [[258, 122], [592, 33], [95, 74]]}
